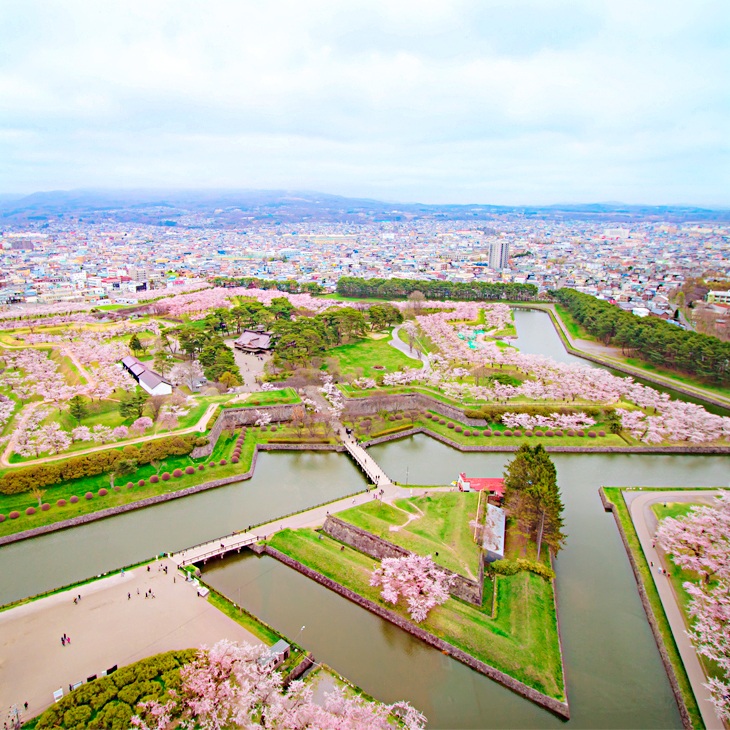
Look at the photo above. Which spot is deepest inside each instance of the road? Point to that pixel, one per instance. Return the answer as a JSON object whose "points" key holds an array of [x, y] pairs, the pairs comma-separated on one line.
{"points": [[642, 517], [396, 342]]}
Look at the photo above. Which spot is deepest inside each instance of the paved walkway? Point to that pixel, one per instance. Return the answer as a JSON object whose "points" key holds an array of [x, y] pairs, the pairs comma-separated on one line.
{"points": [[642, 516], [106, 628], [366, 462], [396, 342]]}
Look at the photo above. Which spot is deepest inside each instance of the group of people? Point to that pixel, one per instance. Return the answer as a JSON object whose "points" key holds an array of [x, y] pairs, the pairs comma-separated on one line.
{"points": [[65, 639]]}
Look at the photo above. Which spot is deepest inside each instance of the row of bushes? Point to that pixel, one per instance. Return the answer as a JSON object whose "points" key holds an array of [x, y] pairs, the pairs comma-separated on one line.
{"points": [[109, 702], [512, 567], [493, 413], [17, 481]]}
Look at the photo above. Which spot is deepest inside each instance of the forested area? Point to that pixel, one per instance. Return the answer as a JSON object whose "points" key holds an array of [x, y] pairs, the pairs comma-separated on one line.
{"points": [[478, 291], [649, 338], [252, 282]]}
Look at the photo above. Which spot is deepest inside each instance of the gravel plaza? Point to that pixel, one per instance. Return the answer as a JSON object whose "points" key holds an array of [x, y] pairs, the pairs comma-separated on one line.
{"points": [[106, 628]]}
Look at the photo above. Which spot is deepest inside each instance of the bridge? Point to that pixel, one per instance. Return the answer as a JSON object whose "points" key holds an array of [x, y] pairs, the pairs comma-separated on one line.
{"points": [[371, 468]]}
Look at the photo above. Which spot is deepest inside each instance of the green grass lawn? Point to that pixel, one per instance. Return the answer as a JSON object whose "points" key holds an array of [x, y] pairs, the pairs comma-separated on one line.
{"points": [[93, 484], [366, 353], [521, 641], [614, 495], [270, 397], [441, 526]]}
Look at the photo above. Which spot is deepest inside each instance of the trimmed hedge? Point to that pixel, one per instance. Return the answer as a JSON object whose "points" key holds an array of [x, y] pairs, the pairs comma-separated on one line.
{"points": [[103, 492], [14, 515], [45, 507], [109, 702], [190, 470], [154, 479], [511, 567], [140, 483], [74, 499], [89, 495], [177, 473], [30, 511], [2, 518], [61, 503], [17, 481], [165, 476]]}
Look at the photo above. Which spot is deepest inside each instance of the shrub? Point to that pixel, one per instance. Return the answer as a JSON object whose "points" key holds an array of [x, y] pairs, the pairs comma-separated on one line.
{"points": [[549, 433], [190, 470], [140, 483], [528, 433], [496, 433], [398, 417], [429, 416], [511, 567], [539, 433], [592, 434], [450, 425], [201, 467], [154, 479], [235, 460], [264, 428], [30, 511], [467, 432], [487, 433], [458, 429], [601, 433], [571, 432], [506, 432], [77, 717], [165, 476], [222, 462], [103, 492], [558, 433], [45, 507], [580, 433], [61, 503], [442, 421], [211, 464], [517, 433], [202, 441], [130, 485], [2, 518], [177, 473], [117, 488], [14, 515], [89, 495], [74, 499], [273, 428]]}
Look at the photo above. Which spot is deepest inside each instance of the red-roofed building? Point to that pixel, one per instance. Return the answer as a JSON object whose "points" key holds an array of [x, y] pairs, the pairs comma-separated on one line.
{"points": [[493, 486]]}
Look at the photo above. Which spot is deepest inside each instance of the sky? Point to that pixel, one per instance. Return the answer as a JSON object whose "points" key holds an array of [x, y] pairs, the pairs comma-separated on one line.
{"points": [[493, 101]]}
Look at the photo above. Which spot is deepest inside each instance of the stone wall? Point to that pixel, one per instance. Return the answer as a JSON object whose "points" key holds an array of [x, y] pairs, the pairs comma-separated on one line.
{"points": [[365, 542], [244, 416], [668, 666], [370, 405], [557, 707]]}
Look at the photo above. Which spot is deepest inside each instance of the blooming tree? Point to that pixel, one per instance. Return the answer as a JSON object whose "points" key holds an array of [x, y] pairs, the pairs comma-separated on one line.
{"points": [[417, 578], [232, 685]]}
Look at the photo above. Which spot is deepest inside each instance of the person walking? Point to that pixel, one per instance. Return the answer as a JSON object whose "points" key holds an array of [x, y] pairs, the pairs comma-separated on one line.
{"points": [[129, 596], [63, 641]]}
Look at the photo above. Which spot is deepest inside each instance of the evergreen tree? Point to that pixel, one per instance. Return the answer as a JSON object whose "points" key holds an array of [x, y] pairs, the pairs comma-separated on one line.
{"points": [[134, 343], [131, 405], [77, 408]]}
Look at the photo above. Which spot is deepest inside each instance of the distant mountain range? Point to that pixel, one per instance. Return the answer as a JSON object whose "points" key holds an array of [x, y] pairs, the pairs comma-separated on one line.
{"points": [[241, 207]]}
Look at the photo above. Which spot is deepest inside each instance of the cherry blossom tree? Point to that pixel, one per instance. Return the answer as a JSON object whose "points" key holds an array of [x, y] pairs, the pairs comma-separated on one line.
{"points": [[186, 373], [232, 685], [417, 578], [140, 425]]}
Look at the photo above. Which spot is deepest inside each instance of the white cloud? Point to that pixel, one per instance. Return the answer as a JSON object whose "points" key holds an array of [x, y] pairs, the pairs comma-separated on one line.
{"points": [[485, 101]]}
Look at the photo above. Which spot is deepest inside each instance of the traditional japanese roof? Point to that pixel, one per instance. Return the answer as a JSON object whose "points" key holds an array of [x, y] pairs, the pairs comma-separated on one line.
{"points": [[142, 373], [255, 340]]}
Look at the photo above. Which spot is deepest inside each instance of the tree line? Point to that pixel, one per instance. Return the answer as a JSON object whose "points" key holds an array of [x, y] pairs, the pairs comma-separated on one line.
{"points": [[253, 282], [650, 339], [478, 291]]}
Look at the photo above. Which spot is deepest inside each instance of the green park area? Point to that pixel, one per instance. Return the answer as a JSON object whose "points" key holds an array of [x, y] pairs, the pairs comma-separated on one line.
{"points": [[435, 524], [370, 357], [521, 639]]}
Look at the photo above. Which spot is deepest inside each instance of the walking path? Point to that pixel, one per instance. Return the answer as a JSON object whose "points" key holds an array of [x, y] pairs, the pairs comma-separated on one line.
{"points": [[105, 628], [376, 475], [409, 351], [198, 427], [642, 515]]}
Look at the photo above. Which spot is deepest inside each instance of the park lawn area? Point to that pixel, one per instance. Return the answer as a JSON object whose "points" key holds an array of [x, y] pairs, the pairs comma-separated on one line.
{"points": [[440, 527], [575, 330], [366, 353], [678, 376], [271, 397], [521, 641], [93, 484], [615, 496]]}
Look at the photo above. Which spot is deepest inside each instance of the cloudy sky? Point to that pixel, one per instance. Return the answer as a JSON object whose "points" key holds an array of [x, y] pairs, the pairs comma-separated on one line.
{"points": [[491, 101]]}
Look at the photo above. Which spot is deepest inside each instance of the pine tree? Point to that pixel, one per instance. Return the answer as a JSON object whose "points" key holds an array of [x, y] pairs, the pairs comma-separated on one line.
{"points": [[77, 408]]}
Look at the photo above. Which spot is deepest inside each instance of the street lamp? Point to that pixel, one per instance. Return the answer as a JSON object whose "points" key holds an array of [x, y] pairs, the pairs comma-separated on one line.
{"points": [[299, 634]]}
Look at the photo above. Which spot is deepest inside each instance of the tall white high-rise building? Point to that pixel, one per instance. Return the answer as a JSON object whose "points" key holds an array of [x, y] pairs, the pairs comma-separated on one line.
{"points": [[499, 255]]}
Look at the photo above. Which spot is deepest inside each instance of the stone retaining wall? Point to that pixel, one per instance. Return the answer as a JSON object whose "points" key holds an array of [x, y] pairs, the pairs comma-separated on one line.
{"points": [[244, 416], [508, 447], [370, 405], [300, 668], [556, 706], [668, 666], [365, 542]]}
